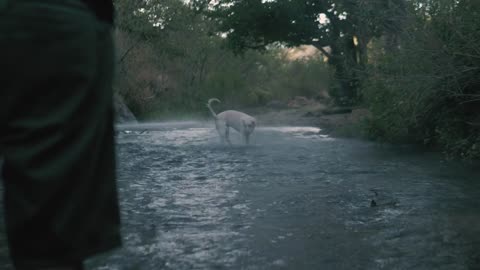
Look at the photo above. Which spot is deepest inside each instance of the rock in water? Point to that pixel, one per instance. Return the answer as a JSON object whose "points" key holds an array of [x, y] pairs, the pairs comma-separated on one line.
{"points": [[123, 113]]}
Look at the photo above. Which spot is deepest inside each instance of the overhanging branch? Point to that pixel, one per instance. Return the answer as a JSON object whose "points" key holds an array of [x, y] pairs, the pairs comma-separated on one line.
{"points": [[322, 49], [128, 51]]}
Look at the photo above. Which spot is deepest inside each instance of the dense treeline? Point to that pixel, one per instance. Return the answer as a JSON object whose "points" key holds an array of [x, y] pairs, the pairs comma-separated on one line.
{"points": [[171, 59], [415, 64], [425, 87]]}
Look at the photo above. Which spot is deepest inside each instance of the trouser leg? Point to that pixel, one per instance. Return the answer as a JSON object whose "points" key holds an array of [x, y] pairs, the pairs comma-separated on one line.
{"points": [[56, 133]]}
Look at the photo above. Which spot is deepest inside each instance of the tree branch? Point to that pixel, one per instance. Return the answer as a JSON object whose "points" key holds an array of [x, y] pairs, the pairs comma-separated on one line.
{"points": [[321, 48], [128, 51]]}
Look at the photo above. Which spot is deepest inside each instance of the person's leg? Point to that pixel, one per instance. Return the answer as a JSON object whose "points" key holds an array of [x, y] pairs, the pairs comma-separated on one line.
{"points": [[56, 133]]}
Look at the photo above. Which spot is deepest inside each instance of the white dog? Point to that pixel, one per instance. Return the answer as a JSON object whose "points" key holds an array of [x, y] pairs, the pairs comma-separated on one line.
{"points": [[241, 122]]}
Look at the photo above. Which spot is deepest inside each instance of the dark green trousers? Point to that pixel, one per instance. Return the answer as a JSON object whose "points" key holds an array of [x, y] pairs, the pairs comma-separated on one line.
{"points": [[56, 132]]}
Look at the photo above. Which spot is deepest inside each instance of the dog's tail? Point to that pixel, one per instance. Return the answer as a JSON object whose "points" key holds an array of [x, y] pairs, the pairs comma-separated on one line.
{"points": [[209, 106]]}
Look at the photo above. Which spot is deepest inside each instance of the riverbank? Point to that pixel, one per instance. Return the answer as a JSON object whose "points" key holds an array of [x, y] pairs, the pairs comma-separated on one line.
{"points": [[339, 122]]}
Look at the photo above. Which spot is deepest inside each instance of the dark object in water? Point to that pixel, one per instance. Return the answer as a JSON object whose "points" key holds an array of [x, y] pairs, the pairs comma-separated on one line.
{"points": [[373, 203]]}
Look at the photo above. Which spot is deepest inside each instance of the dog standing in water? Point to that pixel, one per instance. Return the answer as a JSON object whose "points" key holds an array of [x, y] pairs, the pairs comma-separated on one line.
{"points": [[241, 122]]}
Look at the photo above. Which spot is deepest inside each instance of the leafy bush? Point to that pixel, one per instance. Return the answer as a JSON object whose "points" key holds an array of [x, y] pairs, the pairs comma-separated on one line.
{"points": [[176, 67], [428, 90]]}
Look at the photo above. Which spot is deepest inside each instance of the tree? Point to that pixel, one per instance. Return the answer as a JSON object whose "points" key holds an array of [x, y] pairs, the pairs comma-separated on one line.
{"points": [[341, 29], [427, 90]]}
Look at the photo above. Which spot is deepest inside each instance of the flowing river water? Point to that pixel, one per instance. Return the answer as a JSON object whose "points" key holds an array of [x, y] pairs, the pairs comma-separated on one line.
{"points": [[294, 199]]}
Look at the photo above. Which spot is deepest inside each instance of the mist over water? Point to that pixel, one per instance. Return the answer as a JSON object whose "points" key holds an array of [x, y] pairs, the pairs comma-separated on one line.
{"points": [[294, 199]]}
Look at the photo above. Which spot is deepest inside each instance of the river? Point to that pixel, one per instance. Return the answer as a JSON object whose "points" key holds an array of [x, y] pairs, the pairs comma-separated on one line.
{"points": [[294, 199]]}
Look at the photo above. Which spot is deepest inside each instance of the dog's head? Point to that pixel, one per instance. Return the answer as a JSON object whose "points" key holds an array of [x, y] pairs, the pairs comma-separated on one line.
{"points": [[248, 125]]}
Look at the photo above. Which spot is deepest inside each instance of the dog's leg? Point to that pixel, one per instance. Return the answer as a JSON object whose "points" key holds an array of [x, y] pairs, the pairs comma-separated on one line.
{"points": [[227, 133], [246, 133], [220, 131], [247, 138]]}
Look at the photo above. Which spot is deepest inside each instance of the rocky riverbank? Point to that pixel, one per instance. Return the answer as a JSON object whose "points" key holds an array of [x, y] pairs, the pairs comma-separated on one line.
{"points": [[299, 111], [343, 122]]}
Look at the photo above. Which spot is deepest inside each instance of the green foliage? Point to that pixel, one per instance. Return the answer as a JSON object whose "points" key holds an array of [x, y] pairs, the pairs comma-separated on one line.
{"points": [[420, 78], [257, 23], [428, 90], [172, 62], [249, 81]]}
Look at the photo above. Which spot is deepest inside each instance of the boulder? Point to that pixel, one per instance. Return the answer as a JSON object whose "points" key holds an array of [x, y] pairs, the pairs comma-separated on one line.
{"points": [[123, 113]]}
